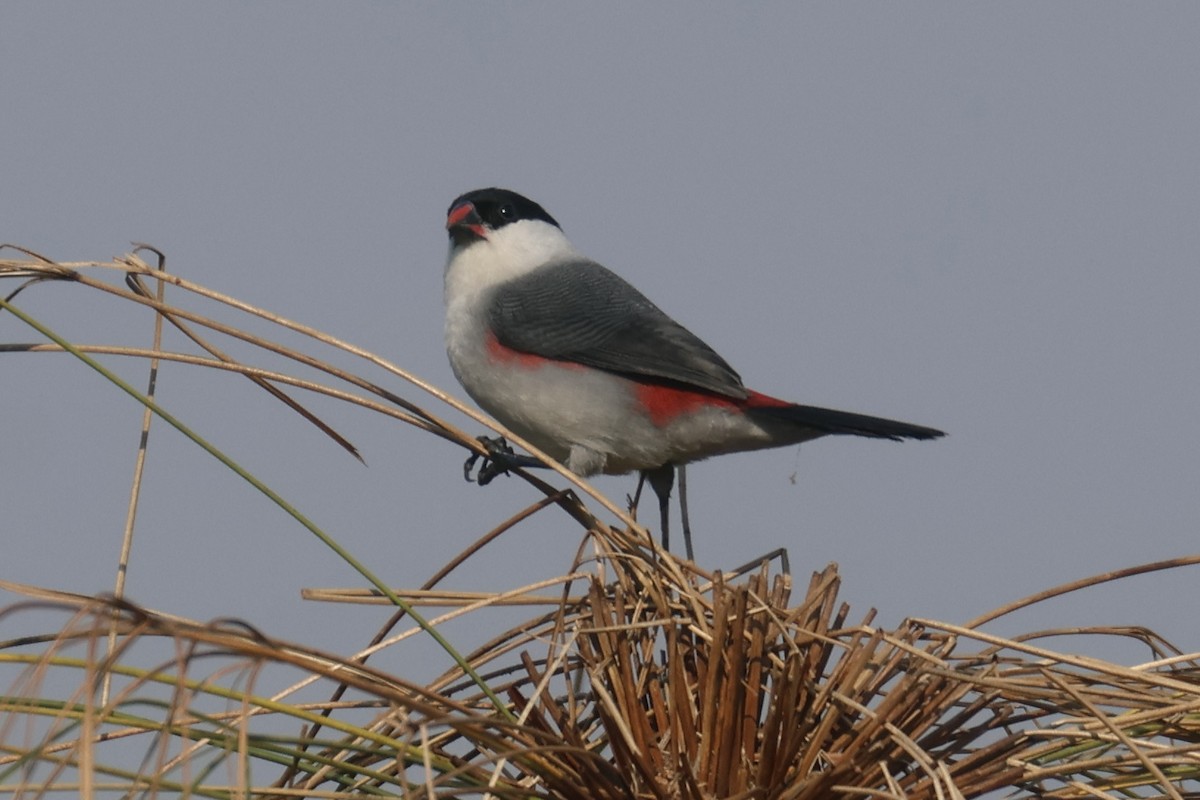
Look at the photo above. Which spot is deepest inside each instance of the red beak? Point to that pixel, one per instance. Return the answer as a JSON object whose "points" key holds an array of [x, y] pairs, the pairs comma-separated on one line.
{"points": [[465, 224], [464, 215]]}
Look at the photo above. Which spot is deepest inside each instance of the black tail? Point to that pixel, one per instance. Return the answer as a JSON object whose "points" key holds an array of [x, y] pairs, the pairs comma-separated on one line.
{"points": [[831, 421]]}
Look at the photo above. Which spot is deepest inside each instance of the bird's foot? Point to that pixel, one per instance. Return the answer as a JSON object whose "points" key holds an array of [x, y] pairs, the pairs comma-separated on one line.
{"points": [[494, 463], [499, 460]]}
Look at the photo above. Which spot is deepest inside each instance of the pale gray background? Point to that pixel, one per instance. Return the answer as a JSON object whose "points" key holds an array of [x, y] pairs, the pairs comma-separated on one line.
{"points": [[984, 218]]}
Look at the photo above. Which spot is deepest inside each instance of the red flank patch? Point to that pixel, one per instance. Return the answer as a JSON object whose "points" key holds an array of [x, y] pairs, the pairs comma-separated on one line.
{"points": [[665, 403], [506, 355]]}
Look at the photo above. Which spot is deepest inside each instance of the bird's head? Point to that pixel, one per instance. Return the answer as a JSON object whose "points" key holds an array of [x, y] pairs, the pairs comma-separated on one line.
{"points": [[507, 231], [484, 212]]}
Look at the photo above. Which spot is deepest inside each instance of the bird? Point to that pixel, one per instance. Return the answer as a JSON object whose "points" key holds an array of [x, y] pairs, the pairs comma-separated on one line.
{"points": [[575, 360]]}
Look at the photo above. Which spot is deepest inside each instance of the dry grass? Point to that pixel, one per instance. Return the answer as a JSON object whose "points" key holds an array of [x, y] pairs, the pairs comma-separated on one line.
{"points": [[634, 674]]}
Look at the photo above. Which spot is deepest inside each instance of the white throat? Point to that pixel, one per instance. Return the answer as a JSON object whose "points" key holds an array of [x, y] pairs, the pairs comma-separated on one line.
{"points": [[507, 253]]}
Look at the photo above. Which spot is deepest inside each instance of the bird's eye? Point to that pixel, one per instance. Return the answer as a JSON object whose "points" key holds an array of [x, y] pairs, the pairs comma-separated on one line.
{"points": [[508, 212]]}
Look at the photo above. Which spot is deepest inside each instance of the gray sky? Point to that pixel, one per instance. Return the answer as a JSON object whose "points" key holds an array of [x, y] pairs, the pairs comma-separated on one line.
{"points": [[977, 217]]}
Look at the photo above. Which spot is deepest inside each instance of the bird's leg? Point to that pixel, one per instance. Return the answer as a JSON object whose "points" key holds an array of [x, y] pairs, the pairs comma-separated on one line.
{"points": [[499, 460], [661, 480], [637, 496], [683, 513]]}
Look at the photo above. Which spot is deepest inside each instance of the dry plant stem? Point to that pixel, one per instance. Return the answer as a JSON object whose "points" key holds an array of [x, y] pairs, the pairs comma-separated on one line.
{"points": [[175, 314], [440, 599], [451, 435], [133, 264], [135, 282], [1101, 667], [265, 344], [138, 471], [633, 673], [344, 554], [1083, 583], [259, 649], [562, 497], [1119, 734], [433, 581]]}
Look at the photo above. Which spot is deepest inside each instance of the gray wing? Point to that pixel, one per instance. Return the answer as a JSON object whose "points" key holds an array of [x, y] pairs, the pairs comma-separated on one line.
{"points": [[580, 311]]}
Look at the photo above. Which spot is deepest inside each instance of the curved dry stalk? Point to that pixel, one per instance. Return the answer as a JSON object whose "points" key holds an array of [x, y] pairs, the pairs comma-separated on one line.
{"points": [[448, 432], [132, 264], [1083, 583]]}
